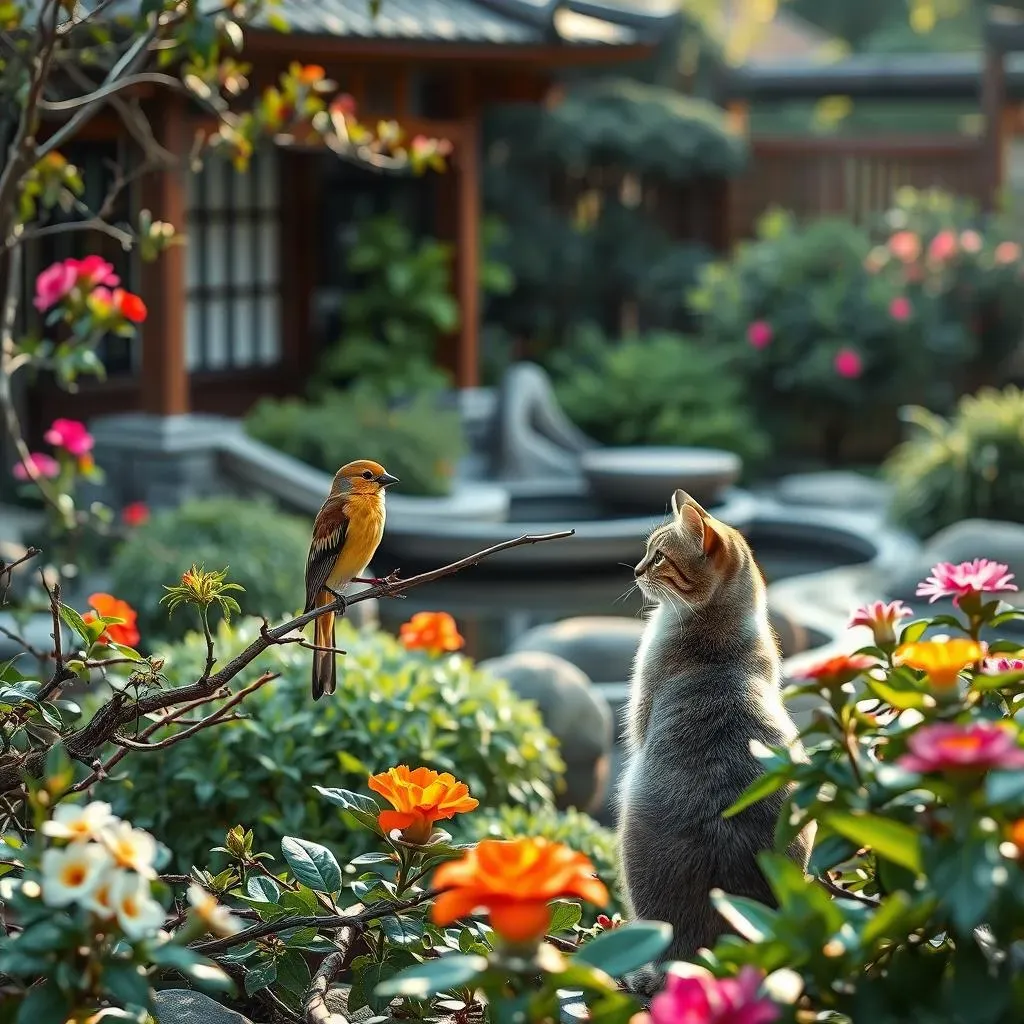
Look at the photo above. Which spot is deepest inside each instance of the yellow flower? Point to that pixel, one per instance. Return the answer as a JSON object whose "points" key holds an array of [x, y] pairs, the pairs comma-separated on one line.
{"points": [[941, 660]]}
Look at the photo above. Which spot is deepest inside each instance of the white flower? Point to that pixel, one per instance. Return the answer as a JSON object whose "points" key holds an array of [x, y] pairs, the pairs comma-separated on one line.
{"points": [[137, 912], [71, 874], [132, 848], [101, 900], [218, 919], [72, 821]]}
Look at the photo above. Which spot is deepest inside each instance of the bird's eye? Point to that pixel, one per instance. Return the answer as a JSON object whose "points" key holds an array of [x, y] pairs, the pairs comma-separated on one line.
{"points": [[367, 474]]}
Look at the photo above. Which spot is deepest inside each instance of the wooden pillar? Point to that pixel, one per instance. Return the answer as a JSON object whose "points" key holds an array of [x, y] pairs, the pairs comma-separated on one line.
{"points": [[164, 374], [467, 253], [993, 102]]}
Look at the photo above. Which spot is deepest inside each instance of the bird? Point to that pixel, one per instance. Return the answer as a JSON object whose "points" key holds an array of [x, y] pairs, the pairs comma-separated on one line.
{"points": [[346, 532]]}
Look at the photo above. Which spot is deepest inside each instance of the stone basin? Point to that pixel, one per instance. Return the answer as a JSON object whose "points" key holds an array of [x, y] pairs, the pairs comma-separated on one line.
{"points": [[646, 477]]}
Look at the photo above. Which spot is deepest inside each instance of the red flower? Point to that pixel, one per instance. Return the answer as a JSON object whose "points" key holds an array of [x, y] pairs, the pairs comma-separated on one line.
{"points": [[130, 306], [71, 435], [135, 514], [107, 606], [837, 671]]}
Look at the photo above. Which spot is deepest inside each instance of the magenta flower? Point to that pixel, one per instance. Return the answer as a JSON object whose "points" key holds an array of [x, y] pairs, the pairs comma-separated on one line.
{"points": [[942, 247], [53, 284], [996, 666], [94, 270], [69, 435], [693, 995], [848, 363], [760, 333], [945, 747], [45, 466], [981, 576], [900, 308], [881, 618]]}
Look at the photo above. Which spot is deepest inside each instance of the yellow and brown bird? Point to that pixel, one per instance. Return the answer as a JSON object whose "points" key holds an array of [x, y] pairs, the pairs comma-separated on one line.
{"points": [[346, 532]]}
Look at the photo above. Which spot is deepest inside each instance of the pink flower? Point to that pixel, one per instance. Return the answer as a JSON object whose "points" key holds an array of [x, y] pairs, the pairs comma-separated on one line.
{"points": [[942, 247], [69, 435], [848, 363], [94, 270], [900, 308], [53, 284], [946, 747], [45, 466], [981, 576], [760, 333], [996, 666], [693, 995], [905, 246], [881, 618], [1007, 252], [971, 241]]}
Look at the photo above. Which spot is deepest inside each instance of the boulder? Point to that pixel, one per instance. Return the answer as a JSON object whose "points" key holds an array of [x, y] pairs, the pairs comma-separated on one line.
{"points": [[601, 646], [963, 541], [183, 1006], [578, 716], [834, 489]]}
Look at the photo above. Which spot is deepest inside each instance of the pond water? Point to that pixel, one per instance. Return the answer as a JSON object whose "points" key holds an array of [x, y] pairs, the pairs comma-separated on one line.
{"points": [[493, 612]]}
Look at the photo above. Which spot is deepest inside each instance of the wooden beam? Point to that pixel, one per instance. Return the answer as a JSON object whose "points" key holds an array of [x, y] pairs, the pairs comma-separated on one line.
{"points": [[164, 374], [993, 102], [467, 264]]}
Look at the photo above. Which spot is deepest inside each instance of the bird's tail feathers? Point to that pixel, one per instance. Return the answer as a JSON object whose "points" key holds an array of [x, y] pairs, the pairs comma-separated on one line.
{"points": [[325, 671]]}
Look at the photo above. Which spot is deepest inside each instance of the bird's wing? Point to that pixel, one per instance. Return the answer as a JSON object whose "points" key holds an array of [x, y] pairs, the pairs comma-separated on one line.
{"points": [[329, 531]]}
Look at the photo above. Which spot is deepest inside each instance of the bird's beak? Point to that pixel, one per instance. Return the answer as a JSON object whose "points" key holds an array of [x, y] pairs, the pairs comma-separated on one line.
{"points": [[386, 479]]}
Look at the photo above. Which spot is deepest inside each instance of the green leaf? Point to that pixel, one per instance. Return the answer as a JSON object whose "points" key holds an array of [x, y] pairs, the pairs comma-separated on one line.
{"points": [[127, 983], [889, 839], [293, 974], [369, 972], [565, 915], [1005, 787], [625, 949], [761, 787], [261, 976], [883, 923], [363, 808], [302, 900], [312, 864], [171, 955], [913, 631], [75, 621], [832, 850], [372, 858], [986, 682], [753, 920], [897, 697], [427, 979], [964, 878], [259, 887], [44, 1004]]}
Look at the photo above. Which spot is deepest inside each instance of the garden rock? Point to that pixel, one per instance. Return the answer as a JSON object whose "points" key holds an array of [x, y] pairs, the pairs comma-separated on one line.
{"points": [[336, 1000], [601, 646], [576, 714], [969, 539], [838, 489], [182, 1006]]}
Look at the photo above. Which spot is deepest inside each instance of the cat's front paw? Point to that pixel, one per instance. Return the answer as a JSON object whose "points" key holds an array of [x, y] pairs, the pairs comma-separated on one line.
{"points": [[645, 983]]}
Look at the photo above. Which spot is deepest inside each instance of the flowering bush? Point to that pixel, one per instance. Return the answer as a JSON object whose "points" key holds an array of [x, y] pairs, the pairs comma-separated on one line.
{"points": [[970, 465]]}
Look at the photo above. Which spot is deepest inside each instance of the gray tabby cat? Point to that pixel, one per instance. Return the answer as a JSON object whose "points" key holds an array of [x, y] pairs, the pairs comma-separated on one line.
{"points": [[705, 683]]}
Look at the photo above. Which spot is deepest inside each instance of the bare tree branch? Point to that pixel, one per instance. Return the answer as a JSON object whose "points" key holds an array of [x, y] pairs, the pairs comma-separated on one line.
{"points": [[109, 89], [314, 1007]]}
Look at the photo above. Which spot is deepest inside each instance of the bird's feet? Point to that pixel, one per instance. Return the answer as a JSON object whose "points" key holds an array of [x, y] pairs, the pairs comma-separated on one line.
{"points": [[340, 597], [385, 581]]}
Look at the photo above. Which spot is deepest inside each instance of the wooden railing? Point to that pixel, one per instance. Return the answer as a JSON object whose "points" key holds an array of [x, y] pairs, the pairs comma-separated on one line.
{"points": [[849, 177]]}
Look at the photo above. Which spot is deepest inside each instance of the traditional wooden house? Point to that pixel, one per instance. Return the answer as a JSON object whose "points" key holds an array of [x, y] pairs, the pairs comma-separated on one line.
{"points": [[243, 307]]}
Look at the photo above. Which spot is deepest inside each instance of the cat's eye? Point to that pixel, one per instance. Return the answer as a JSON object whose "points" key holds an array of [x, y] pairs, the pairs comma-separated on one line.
{"points": [[658, 558]]}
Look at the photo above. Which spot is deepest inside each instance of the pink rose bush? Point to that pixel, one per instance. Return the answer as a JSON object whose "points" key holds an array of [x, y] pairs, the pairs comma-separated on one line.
{"points": [[966, 580], [693, 995]]}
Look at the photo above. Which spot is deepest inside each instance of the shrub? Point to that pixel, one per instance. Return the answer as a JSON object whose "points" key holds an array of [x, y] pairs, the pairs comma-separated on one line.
{"points": [[419, 442], [969, 466], [572, 827], [393, 707], [658, 389], [264, 548]]}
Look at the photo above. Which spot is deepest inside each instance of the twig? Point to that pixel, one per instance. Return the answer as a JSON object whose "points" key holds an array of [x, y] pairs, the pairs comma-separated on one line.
{"points": [[109, 89], [826, 883], [215, 718], [214, 946], [314, 1007], [61, 673], [36, 652]]}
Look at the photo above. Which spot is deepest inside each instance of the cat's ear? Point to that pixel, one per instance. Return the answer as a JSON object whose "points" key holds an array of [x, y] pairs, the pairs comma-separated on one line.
{"points": [[703, 526], [679, 500]]}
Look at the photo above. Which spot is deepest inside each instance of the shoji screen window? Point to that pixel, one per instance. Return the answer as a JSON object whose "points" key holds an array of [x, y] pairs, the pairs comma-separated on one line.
{"points": [[234, 276]]}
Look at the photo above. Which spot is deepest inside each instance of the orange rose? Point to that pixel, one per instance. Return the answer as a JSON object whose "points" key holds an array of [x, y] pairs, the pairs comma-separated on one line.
{"points": [[941, 660], [106, 606], [431, 631], [514, 882], [419, 798]]}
